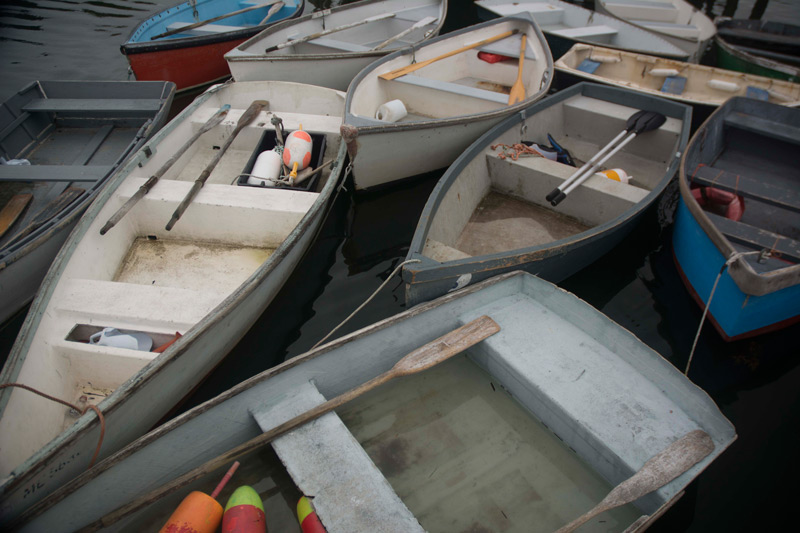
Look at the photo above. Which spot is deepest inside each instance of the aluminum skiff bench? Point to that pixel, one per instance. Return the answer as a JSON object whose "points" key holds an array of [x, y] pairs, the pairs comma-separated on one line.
{"points": [[208, 29], [769, 128], [96, 105], [747, 235], [754, 188]]}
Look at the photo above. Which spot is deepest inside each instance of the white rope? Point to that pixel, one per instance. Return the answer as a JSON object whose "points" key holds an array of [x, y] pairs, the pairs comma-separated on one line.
{"points": [[733, 258], [397, 269]]}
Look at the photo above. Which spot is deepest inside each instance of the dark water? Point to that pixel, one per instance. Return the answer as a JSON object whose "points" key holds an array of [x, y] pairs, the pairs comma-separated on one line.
{"points": [[756, 382]]}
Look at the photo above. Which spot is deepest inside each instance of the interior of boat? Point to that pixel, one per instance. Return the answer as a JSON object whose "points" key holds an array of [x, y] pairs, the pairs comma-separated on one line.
{"points": [[461, 84], [678, 19], [141, 278], [754, 158], [498, 203], [698, 83], [65, 144], [359, 38]]}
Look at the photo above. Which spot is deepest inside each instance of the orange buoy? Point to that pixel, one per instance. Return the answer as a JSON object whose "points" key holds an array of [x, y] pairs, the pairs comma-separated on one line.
{"points": [[198, 512], [309, 521], [244, 512], [297, 150]]}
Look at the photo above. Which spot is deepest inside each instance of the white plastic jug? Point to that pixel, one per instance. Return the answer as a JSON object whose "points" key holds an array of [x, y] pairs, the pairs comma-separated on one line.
{"points": [[114, 337]]}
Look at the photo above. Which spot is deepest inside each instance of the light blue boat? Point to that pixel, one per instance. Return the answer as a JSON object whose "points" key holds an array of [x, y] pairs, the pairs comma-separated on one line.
{"points": [[745, 152]]}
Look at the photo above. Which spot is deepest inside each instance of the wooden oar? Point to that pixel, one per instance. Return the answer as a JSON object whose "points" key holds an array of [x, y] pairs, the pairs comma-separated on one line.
{"points": [[274, 9], [418, 24], [422, 358], [659, 470], [247, 117], [517, 93], [152, 180], [209, 21], [411, 68], [327, 32], [49, 211], [12, 210]]}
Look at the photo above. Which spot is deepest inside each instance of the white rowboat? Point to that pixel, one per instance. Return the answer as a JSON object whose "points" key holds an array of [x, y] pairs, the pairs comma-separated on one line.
{"points": [[448, 103], [209, 279], [334, 57]]}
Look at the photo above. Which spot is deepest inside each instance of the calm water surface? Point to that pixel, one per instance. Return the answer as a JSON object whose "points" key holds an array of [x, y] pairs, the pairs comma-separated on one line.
{"points": [[755, 382]]}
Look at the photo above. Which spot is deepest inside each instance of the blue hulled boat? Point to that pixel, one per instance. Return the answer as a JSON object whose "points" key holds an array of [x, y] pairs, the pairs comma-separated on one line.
{"points": [[737, 230]]}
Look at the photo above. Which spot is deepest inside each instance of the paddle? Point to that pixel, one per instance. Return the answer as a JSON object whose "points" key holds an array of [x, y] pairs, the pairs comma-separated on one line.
{"points": [[12, 210], [411, 68], [659, 470], [54, 208], [327, 32], [639, 122], [274, 9], [422, 358], [517, 93], [247, 117], [418, 24], [208, 21], [152, 180]]}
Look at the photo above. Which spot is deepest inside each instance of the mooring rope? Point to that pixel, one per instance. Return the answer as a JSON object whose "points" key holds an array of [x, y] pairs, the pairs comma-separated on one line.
{"points": [[733, 258], [395, 271], [58, 400]]}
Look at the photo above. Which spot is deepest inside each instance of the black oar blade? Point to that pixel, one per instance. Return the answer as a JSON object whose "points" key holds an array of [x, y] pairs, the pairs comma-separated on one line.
{"points": [[631, 123], [649, 121]]}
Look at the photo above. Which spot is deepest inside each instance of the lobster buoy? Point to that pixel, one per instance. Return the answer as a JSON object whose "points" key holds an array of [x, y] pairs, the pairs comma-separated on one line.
{"points": [[198, 512], [616, 174], [297, 150], [244, 512], [266, 170], [309, 521], [722, 85], [663, 72], [733, 204]]}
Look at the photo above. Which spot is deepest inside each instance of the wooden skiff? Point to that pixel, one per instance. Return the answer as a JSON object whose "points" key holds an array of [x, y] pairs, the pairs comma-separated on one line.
{"points": [[529, 426], [195, 57], [702, 87], [74, 134], [334, 58], [677, 21], [742, 163], [488, 214], [446, 104], [565, 24], [209, 279]]}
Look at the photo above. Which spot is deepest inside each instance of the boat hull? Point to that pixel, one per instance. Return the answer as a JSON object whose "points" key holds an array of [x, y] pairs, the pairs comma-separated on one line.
{"points": [[731, 58], [142, 401], [384, 152], [734, 314], [189, 68], [553, 262], [615, 370]]}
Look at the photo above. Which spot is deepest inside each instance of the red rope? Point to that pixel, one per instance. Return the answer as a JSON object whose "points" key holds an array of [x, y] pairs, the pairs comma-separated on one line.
{"points": [[58, 400]]}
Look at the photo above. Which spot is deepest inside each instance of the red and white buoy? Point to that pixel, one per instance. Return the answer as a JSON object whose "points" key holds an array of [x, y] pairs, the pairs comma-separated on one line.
{"points": [[297, 151]]}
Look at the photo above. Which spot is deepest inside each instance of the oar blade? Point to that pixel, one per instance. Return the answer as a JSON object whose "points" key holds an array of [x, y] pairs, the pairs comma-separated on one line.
{"points": [[647, 121], [447, 346]]}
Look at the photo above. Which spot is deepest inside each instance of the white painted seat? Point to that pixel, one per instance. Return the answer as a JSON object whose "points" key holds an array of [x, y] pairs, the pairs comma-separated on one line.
{"points": [[326, 461], [655, 11], [208, 29], [598, 33], [678, 30], [340, 45], [456, 88]]}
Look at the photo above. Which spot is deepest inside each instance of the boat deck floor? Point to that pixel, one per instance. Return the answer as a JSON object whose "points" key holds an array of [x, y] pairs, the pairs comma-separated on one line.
{"points": [[217, 268], [501, 223]]}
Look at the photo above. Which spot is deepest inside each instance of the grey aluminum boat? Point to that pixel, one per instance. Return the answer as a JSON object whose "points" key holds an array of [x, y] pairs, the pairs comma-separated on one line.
{"points": [[74, 134], [489, 212], [527, 429]]}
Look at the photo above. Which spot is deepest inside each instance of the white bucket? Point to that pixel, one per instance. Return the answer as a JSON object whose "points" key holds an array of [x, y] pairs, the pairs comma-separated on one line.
{"points": [[266, 170], [391, 111]]}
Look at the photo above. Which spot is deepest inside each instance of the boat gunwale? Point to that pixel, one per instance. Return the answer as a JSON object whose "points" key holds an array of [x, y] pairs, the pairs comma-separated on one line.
{"points": [[236, 55], [38, 461], [430, 269], [746, 278], [763, 62], [354, 126]]}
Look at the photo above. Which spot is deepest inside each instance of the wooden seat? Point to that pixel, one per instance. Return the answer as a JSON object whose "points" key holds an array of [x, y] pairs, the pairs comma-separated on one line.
{"points": [[51, 173], [739, 232], [100, 105], [208, 29], [591, 33], [748, 187], [456, 88], [769, 128]]}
